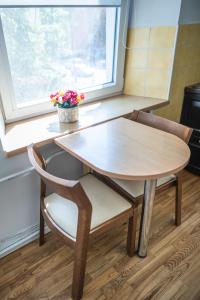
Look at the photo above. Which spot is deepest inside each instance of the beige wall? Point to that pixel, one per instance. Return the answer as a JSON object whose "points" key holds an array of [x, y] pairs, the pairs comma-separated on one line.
{"points": [[186, 69], [149, 62]]}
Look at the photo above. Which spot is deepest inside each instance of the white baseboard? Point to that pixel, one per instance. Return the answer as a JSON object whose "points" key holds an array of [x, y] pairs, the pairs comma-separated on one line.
{"points": [[18, 240]]}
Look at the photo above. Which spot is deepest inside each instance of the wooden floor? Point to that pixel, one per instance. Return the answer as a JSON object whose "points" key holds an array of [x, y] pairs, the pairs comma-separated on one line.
{"points": [[171, 270]]}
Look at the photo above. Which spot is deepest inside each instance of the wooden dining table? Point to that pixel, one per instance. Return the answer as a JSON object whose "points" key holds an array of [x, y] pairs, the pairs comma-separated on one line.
{"points": [[128, 150]]}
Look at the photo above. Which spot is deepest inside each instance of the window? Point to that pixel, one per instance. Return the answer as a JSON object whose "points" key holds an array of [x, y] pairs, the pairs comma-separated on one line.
{"points": [[45, 48]]}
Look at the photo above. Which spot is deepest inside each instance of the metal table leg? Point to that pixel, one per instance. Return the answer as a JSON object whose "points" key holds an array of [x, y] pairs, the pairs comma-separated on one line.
{"points": [[149, 194]]}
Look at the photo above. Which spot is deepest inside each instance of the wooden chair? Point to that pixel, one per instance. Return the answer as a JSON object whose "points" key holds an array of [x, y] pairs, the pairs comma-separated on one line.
{"points": [[134, 190], [78, 210]]}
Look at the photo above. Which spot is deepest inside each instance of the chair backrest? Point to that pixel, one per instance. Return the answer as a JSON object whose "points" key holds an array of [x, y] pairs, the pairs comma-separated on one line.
{"points": [[181, 131], [69, 189]]}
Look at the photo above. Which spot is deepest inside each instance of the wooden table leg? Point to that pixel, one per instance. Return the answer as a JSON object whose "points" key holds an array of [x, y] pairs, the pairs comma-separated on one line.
{"points": [[149, 194]]}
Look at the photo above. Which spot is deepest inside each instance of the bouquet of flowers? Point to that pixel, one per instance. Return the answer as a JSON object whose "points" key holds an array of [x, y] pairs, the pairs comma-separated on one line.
{"points": [[66, 98]]}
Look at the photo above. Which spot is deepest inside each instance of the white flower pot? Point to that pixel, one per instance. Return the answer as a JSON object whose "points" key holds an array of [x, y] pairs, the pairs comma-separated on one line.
{"points": [[68, 115]]}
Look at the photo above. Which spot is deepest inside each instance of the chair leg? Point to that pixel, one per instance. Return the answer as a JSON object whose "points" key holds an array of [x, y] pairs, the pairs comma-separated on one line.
{"points": [[132, 224], [42, 195], [80, 260], [41, 239], [178, 200]]}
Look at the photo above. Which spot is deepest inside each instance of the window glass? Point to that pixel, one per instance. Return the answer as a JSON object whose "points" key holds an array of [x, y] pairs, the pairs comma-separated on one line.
{"points": [[51, 48]]}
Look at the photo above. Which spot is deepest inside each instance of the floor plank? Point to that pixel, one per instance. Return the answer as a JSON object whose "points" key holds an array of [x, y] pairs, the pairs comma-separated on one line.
{"points": [[171, 270]]}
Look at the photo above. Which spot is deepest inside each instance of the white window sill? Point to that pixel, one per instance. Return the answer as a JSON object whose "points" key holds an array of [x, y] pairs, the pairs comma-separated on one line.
{"points": [[44, 129]]}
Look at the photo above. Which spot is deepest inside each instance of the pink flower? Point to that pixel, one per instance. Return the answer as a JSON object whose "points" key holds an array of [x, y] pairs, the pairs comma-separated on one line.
{"points": [[73, 101], [82, 96], [68, 95], [74, 94], [65, 98], [53, 95]]}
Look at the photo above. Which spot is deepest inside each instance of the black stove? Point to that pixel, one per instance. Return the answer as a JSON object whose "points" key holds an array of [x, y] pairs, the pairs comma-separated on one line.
{"points": [[190, 116]]}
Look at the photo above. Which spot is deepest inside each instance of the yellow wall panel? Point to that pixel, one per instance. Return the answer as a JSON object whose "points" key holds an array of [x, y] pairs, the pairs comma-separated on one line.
{"points": [[137, 58], [157, 78], [138, 37], [162, 37], [156, 92], [159, 58], [186, 69], [150, 61], [135, 81]]}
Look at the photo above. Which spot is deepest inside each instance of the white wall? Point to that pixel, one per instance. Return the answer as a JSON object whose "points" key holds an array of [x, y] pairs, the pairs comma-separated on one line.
{"points": [[19, 196], [190, 12], [152, 13], [145, 13]]}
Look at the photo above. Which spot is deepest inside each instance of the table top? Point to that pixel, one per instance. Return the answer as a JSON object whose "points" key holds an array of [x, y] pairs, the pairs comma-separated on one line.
{"points": [[125, 149]]}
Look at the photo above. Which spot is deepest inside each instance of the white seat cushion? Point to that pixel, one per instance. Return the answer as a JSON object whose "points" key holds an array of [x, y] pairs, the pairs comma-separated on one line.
{"points": [[106, 204], [136, 188]]}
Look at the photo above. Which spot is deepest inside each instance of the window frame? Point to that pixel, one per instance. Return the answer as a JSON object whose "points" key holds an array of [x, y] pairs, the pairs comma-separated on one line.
{"points": [[92, 94]]}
